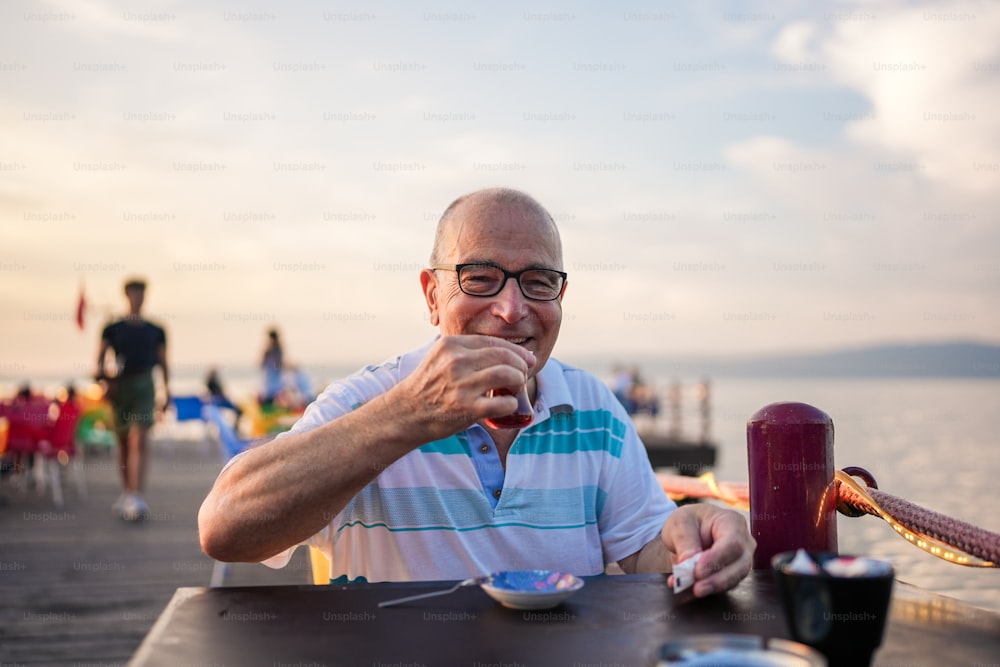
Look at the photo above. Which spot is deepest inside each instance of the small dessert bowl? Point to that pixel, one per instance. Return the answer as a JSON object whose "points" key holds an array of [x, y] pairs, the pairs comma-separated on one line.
{"points": [[531, 589]]}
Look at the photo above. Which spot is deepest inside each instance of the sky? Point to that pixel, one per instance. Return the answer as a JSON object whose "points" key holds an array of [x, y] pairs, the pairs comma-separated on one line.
{"points": [[729, 178]]}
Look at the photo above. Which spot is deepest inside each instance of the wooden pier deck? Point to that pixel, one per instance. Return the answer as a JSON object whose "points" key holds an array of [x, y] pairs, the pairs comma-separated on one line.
{"points": [[686, 457], [78, 586]]}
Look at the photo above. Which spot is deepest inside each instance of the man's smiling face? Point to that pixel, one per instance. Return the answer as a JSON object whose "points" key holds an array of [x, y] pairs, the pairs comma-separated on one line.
{"points": [[511, 235]]}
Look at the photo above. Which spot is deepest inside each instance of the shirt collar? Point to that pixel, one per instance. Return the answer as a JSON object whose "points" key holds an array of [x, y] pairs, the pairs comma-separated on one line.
{"points": [[553, 392]]}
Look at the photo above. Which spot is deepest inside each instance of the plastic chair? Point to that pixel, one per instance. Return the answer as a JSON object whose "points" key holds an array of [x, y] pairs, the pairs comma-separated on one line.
{"points": [[60, 449], [95, 429], [187, 408], [231, 445], [28, 423], [320, 567], [231, 442]]}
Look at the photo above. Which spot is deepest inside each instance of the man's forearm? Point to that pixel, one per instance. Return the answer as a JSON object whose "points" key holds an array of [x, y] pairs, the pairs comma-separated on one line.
{"points": [[652, 558], [277, 495], [280, 494]]}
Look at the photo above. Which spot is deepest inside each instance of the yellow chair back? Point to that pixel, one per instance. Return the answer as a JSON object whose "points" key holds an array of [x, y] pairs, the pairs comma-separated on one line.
{"points": [[320, 567]]}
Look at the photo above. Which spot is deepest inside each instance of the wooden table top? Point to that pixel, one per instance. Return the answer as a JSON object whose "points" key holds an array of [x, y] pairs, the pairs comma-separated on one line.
{"points": [[613, 620]]}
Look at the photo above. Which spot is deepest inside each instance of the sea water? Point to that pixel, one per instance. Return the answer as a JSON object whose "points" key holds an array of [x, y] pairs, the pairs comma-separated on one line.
{"points": [[934, 442]]}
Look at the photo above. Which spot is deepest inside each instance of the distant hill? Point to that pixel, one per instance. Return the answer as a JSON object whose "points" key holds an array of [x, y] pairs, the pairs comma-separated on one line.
{"points": [[925, 360], [955, 359]]}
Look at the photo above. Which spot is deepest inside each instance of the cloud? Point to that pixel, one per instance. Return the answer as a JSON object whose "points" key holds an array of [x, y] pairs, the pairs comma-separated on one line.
{"points": [[796, 42], [724, 165], [103, 19], [931, 76], [920, 164]]}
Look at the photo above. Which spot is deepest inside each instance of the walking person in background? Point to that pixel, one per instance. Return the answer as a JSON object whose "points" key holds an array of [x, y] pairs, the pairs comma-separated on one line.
{"points": [[273, 365], [139, 346]]}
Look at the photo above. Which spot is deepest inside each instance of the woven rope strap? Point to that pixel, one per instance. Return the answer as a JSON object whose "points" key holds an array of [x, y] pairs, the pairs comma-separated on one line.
{"points": [[936, 533]]}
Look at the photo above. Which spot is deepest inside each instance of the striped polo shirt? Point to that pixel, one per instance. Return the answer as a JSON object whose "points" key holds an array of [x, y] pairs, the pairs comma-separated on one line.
{"points": [[577, 494]]}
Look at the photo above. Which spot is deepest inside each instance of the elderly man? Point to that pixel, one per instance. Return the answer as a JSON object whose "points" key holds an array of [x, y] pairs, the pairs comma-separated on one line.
{"points": [[397, 474]]}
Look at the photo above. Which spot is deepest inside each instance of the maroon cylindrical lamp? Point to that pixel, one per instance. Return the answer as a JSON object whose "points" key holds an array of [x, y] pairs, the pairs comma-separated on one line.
{"points": [[793, 498]]}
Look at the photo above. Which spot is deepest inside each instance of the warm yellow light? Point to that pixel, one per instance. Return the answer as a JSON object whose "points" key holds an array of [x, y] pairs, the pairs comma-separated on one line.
{"points": [[925, 542]]}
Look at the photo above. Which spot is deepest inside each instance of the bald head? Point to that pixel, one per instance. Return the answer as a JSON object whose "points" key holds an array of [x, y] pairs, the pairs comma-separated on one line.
{"points": [[481, 205]]}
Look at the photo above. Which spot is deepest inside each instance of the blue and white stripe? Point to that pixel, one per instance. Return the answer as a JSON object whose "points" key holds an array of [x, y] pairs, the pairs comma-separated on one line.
{"points": [[578, 492]]}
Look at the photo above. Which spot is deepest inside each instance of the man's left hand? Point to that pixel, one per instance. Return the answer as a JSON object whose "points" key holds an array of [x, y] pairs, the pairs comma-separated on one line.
{"points": [[162, 408], [723, 538]]}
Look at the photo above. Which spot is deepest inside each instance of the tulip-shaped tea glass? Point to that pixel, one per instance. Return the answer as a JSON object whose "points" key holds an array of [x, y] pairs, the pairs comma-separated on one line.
{"points": [[521, 417]]}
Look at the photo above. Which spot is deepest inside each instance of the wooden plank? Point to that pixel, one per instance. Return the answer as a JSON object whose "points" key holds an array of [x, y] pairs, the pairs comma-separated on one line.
{"points": [[80, 585]]}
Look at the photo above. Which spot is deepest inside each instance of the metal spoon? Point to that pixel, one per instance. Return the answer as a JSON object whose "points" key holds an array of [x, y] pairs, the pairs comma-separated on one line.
{"points": [[462, 584]]}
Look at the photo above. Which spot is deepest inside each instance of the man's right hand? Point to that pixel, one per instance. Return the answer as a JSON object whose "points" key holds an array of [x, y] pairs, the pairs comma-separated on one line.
{"points": [[449, 390]]}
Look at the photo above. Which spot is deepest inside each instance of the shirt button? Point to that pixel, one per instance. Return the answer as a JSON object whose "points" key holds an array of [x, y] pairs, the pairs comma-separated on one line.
{"points": [[496, 494], [485, 449]]}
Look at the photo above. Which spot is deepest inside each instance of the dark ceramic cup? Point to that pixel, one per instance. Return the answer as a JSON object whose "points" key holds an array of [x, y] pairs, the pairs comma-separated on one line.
{"points": [[843, 617]]}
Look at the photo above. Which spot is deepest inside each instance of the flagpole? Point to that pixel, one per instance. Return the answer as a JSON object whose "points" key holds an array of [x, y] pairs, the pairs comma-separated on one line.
{"points": [[81, 307]]}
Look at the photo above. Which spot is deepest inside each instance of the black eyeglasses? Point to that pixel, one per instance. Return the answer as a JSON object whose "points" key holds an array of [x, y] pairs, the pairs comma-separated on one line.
{"points": [[489, 279]]}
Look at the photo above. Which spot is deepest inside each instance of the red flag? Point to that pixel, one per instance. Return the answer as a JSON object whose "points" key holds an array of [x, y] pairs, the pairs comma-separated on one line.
{"points": [[81, 307]]}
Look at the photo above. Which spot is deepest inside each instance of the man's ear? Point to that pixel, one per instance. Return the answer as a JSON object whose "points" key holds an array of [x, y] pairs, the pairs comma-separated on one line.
{"points": [[429, 285]]}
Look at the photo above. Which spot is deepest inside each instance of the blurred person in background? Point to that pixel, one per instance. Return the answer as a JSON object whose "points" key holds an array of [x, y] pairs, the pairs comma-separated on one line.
{"points": [[139, 346], [273, 365], [217, 394]]}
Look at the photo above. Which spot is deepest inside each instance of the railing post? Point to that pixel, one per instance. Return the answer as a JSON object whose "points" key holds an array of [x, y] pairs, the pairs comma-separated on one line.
{"points": [[791, 472]]}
